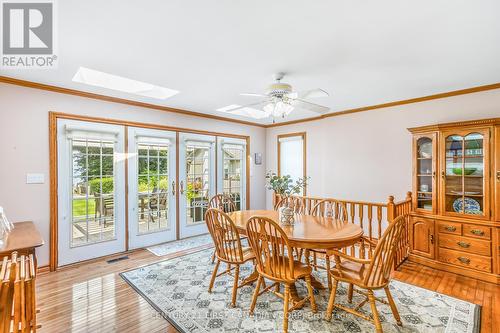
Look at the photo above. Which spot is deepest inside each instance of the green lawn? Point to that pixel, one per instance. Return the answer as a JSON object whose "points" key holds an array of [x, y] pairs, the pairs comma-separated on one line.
{"points": [[79, 207]]}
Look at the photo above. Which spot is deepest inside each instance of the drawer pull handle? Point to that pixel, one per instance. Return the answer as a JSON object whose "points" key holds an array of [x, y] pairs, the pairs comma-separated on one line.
{"points": [[464, 260], [450, 228], [463, 244], [477, 232]]}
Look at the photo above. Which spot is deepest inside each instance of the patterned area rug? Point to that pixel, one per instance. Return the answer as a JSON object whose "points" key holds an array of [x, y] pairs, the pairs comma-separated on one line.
{"points": [[177, 289], [180, 245]]}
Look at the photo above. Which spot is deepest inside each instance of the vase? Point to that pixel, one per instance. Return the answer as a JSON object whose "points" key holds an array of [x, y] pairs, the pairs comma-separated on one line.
{"points": [[286, 216]]}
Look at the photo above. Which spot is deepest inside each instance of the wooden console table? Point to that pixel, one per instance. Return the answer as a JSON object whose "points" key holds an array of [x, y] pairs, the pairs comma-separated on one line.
{"points": [[24, 239]]}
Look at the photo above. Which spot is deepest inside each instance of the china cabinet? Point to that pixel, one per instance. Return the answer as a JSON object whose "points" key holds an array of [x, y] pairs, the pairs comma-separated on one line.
{"points": [[455, 223]]}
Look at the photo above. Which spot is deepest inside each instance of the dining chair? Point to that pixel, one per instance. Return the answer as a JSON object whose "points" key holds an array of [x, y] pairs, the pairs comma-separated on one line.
{"points": [[294, 202], [272, 248], [326, 208], [228, 248], [369, 274], [224, 203]]}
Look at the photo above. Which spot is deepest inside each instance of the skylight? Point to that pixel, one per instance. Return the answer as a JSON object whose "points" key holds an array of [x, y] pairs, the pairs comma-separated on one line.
{"points": [[245, 112], [118, 83]]}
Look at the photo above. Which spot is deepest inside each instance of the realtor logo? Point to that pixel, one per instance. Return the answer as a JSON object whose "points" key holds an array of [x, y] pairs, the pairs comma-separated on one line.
{"points": [[28, 34]]}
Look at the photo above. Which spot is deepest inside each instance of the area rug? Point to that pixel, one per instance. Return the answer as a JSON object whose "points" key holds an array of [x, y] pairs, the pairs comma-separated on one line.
{"points": [[180, 245], [177, 289]]}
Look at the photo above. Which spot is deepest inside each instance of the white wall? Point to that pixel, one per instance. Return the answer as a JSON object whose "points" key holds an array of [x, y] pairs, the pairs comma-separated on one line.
{"points": [[367, 155], [24, 146]]}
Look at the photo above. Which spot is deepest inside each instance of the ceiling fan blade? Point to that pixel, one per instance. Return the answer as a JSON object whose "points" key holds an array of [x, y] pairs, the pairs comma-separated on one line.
{"points": [[313, 93], [253, 94], [252, 105], [299, 103]]}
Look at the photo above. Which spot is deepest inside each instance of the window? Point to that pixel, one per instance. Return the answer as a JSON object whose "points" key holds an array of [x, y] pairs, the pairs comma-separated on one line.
{"points": [[292, 156]]}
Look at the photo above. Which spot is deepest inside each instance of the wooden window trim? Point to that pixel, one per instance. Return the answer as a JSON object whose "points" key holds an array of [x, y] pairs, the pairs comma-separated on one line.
{"points": [[54, 116]]}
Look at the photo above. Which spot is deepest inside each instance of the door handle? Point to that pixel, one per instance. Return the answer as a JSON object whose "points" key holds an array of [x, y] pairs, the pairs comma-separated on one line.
{"points": [[498, 176], [442, 174], [173, 187], [181, 187], [432, 239]]}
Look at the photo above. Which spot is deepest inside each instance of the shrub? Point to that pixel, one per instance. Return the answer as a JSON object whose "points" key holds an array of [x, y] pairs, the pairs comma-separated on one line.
{"points": [[107, 185]]}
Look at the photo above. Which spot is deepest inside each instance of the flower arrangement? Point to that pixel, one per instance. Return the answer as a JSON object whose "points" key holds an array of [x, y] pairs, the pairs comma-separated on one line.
{"points": [[284, 185]]}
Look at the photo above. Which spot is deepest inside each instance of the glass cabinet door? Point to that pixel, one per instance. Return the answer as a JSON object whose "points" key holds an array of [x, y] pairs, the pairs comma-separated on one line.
{"points": [[465, 173], [425, 172]]}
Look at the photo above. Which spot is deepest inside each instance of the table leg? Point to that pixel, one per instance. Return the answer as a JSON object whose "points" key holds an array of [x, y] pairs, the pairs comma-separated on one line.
{"points": [[316, 284], [294, 295]]}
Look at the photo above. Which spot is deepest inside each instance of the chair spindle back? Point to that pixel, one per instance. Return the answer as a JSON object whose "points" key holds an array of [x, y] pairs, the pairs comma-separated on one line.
{"points": [[293, 202], [272, 249], [222, 202], [379, 271], [225, 235], [330, 208]]}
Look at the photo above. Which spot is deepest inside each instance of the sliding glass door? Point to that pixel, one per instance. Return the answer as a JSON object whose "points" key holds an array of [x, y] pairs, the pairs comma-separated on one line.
{"points": [[91, 190], [196, 181], [151, 181]]}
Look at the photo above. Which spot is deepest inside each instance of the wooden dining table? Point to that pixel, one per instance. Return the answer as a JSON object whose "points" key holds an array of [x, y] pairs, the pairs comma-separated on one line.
{"points": [[308, 232]]}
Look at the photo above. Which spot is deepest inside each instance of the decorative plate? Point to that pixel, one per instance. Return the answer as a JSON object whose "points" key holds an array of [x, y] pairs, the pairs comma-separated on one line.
{"points": [[471, 206], [425, 150]]}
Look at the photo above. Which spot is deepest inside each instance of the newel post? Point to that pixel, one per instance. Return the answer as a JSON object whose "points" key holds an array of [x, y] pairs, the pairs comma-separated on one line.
{"points": [[409, 197], [391, 209]]}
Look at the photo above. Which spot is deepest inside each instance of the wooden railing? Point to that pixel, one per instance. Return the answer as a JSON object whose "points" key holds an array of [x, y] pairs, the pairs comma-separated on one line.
{"points": [[372, 217]]}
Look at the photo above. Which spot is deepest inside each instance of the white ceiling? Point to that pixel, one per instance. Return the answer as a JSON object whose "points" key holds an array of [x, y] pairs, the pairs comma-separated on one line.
{"points": [[361, 52]]}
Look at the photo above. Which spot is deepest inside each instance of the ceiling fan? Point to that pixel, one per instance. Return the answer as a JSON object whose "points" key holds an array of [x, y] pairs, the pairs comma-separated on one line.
{"points": [[279, 99]]}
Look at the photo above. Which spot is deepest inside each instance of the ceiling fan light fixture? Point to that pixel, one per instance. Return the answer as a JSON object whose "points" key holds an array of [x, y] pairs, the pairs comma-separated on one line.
{"points": [[278, 109]]}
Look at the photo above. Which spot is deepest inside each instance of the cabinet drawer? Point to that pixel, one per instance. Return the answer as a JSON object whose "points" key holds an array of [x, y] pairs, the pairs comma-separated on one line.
{"points": [[464, 244], [450, 227], [477, 231], [468, 260]]}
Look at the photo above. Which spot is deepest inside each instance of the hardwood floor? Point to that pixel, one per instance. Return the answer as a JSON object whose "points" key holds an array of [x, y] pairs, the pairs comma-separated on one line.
{"points": [[92, 297]]}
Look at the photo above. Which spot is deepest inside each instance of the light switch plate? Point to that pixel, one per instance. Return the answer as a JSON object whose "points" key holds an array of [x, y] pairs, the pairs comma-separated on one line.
{"points": [[35, 178]]}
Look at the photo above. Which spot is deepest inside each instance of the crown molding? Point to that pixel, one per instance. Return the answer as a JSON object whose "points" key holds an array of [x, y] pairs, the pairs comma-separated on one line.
{"points": [[436, 127], [67, 91], [391, 104], [74, 92]]}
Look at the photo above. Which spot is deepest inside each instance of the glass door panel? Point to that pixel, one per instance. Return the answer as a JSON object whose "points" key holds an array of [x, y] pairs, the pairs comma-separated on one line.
{"points": [[93, 191], [425, 173], [231, 157], [151, 187], [91, 187], [464, 174], [197, 181]]}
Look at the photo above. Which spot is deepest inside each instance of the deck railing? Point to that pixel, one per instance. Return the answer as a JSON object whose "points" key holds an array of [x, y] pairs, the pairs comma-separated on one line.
{"points": [[372, 217]]}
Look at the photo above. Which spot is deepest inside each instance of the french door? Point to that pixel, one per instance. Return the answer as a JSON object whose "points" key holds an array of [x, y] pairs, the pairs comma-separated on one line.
{"points": [[231, 169], [115, 180], [196, 182], [91, 190], [151, 183]]}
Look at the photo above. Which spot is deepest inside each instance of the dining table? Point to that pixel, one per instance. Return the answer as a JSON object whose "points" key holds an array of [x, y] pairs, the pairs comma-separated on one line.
{"points": [[308, 232]]}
